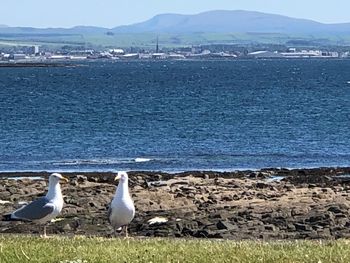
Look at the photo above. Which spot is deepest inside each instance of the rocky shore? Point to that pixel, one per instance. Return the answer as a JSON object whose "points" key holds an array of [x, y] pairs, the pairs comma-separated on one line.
{"points": [[266, 204]]}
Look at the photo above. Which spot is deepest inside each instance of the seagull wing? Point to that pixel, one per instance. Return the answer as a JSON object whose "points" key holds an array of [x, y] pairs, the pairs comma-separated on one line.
{"points": [[109, 213], [35, 210]]}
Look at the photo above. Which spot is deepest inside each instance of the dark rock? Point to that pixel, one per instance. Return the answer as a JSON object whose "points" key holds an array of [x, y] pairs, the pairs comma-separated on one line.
{"points": [[316, 219], [271, 228], [161, 233], [261, 185], [81, 178], [191, 225], [187, 232], [335, 210], [225, 225], [302, 227], [208, 234], [206, 176]]}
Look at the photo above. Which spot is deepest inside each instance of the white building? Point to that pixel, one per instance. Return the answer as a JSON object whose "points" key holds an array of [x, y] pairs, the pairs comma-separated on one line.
{"points": [[116, 51], [131, 56], [35, 50], [264, 54], [19, 56]]}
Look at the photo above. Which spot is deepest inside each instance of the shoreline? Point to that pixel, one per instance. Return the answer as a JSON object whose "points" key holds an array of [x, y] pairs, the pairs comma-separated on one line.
{"points": [[264, 172], [301, 204]]}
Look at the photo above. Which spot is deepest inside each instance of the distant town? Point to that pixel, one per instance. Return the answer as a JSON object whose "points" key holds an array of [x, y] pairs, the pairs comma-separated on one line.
{"points": [[34, 53]]}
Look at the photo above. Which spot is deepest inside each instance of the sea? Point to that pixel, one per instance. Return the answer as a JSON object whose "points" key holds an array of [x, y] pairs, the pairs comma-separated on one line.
{"points": [[173, 116]]}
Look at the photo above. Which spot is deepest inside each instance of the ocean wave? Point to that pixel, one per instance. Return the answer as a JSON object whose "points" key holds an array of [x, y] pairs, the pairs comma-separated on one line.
{"points": [[108, 161], [142, 160]]}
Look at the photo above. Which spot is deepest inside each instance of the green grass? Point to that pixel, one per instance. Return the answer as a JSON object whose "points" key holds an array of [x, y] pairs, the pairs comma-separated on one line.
{"points": [[148, 40], [14, 248]]}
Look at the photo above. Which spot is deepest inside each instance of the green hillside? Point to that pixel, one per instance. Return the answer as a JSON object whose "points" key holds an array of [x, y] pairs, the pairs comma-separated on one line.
{"points": [[148, 40]]}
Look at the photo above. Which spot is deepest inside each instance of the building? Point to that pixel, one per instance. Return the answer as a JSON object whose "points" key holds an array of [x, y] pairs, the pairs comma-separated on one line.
{"points": [[131, 56], [34, 50], [264, 54], [117, 51], [18, 56]]}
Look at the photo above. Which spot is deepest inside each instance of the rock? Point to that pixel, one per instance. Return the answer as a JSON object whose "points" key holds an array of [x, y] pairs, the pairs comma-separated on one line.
{"points": [[187, 232], [230, 206], [302, 227], [291, 227], [261, 185], [161, 233], [288, 187], [208, 234], [335, 210], [225, 225], [189, 225], [4, 195], [81, 178], [271, 228], [221, 214], [297, 211], [156, 184], [316, 219], [95, 204], [259, 175], [324, 233], [67, 227]]}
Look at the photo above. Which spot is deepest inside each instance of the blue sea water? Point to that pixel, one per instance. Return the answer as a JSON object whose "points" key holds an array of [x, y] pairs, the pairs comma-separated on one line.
{"points": [[176, 115]]}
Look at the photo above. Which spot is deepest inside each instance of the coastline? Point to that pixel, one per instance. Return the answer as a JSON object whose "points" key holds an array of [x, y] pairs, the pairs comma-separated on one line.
{"points": [[234, 173], [265, 204]]}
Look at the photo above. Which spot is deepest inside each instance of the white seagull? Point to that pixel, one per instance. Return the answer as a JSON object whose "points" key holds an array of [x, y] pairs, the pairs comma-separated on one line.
{"points": [[122, 209], [44, 209]]}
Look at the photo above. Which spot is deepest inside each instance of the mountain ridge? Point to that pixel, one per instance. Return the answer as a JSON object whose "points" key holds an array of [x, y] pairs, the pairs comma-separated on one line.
{"points": [[231, 21], [211, 27], [216, 21]]}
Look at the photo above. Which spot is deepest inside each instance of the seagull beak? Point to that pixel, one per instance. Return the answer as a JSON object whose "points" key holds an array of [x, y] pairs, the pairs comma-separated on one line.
{"points": [[117, 177], [65, 179]]}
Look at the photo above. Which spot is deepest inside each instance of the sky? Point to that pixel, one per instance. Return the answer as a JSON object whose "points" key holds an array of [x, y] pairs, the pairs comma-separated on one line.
{"points": [[111, 13]]}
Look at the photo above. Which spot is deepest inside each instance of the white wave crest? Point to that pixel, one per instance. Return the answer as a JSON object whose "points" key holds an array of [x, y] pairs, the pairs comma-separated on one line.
{"points": [[107, 161], [142, 160]]}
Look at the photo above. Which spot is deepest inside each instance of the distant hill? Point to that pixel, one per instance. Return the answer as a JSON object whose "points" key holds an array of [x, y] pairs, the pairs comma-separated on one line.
{"points": [[237, 21], [43, 31], [240, 27]]}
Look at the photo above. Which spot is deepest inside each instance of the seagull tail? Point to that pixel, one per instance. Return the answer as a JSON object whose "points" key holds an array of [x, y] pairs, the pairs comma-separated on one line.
{"points": [[118, 230], [8, 217]]}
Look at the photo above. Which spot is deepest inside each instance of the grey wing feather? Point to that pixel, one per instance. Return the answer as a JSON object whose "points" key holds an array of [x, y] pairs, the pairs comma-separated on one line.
{"points": [[109, 213], [35, 210]]}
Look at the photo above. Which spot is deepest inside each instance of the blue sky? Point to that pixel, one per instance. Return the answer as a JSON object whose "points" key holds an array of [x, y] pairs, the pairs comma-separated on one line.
{"points": [[111, 13]]}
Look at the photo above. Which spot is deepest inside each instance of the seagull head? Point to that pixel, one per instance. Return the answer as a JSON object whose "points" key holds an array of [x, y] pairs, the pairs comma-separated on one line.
{"points": [[56, 177], [122, 176]]}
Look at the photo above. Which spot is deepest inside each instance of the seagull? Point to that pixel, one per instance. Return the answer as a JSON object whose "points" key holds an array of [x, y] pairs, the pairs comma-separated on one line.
{"points": [[122, 209], [44, 209]]}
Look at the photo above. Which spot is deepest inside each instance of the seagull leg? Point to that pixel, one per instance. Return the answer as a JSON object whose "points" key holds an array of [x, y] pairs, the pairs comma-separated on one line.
{"points": [[126, 231], [44, 235]]}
